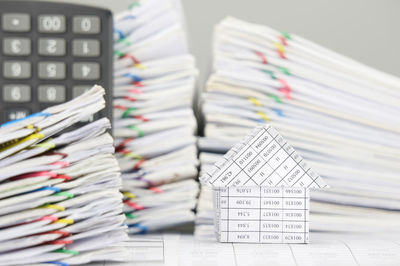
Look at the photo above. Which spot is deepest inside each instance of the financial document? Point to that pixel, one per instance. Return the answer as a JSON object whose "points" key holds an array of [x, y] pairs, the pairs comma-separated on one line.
{"points": [[324, 249]]}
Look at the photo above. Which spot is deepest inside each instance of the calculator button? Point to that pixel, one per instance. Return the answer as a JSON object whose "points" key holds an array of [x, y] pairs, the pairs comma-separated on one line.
{"points": [[86, 71], [86, 48], [16, 113], [51, 93], [79, 90], [51, 47], [51, 70], [86, 24], [16, 93], [52, 23], [17, 22], [16, 46], [17, 69]]}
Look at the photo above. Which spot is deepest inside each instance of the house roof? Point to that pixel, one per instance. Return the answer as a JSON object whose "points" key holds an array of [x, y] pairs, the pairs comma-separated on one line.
{"points": [[262, 158]]}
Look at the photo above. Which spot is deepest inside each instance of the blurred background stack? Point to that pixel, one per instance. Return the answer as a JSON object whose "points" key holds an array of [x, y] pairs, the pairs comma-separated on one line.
{"points": [[154, 124], [340, 115]]}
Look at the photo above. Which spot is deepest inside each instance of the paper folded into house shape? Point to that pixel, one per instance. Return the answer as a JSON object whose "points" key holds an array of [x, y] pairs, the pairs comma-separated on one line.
{"points": [[261, 191]]}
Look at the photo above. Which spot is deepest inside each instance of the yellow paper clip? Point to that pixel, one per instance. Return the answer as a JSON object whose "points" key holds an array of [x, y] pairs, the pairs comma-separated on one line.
{"points": [[129, 195], [65, 221], [280, 47], [263, 116], [46, 144], [54, 206], [255, 101], [133, 156], [140, 66]]}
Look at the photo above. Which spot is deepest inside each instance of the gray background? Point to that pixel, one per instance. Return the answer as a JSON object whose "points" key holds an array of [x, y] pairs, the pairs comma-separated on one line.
{"points": [[366, 30]]}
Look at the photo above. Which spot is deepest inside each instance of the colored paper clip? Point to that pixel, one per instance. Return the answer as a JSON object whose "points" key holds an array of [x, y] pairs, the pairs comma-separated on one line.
{"points": [[56, 189], [129, 17], [62, 163], [278, 112], [130, 215], [47, 218], [35, 174], [125, 41], [275, 98], [60, 242], [137, 91], [121, 35], [262, 56], [255, 101], [66, 251], [133, 205], [65, 221], [67, 194], [269, 72], [263, 116], [144, 229], [118, 53], [57, 232], [123, 144], [131, 155], [130, 98], [286, 35], [37, 129], [140, 117], [134, 77], [45, 114], [156, 189], [57, 263], [128, 111], [37, 136], [53, 206], [47, 144], [121, 107], [136, 62], [128, 195], [286, 89], [138, 164], [284, 70], [133, 5], [283, 40], [280, 49], [138, 130], [65, 177]]}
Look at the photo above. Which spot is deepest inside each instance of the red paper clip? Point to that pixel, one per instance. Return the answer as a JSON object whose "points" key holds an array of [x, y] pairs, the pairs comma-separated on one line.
{"points": [[156, 189], [122, 144], [65, 177], [283, 40], [262, 56], [62, 163], [138, 164], [140, 117], [130, 98], [60, 242], [133, 205], [134, 60], [286, 88]]}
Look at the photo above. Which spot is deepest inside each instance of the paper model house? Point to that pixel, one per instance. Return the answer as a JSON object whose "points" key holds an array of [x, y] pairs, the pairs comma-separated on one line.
{"points": [[261, 191]]}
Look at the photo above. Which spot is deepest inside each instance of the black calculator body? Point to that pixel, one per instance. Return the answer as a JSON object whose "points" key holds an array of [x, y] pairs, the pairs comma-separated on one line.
{"points": [[51, 52]]}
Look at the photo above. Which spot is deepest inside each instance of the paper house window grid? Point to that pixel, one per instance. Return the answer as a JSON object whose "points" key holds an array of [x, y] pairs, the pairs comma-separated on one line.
{"points": [[261, 191]]}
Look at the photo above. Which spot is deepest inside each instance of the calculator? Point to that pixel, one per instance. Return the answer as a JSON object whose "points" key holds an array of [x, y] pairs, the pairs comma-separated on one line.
{"points": [[50, 53]]}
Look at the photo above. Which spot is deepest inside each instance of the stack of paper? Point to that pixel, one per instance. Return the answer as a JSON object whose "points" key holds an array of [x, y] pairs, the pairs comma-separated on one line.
{"points": [[154, 123], [343, 117], [59, 197]]}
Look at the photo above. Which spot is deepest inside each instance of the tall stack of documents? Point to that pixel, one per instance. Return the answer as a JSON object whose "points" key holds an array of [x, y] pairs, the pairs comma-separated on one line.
{"points": [[342, 116], [154, 124], [59, 192]]}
